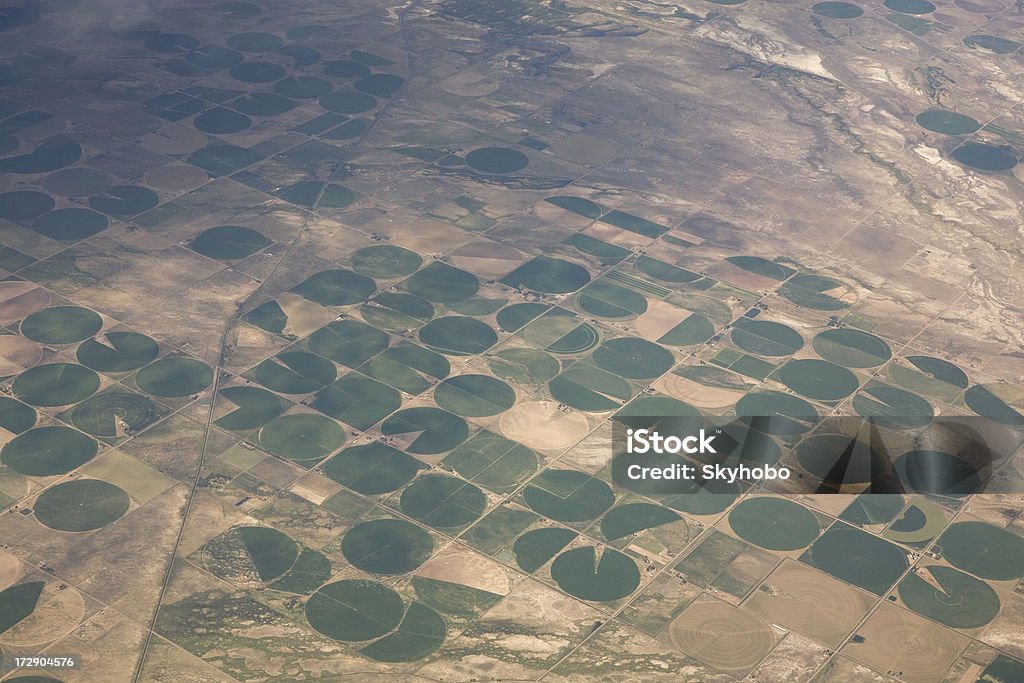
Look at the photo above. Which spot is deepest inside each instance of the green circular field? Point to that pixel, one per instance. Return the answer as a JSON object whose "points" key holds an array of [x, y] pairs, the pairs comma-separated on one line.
{"points": [[347, 101], [70, 225], [605, 300], [442, 283], [303, 438], [397, 312], [61, 325], [783, 414], [892, 408], [941, 370], [354, 609], [78, 182], [337, 287], [633, 358], [102, 414], [23, 205], [229, 242], [372, 469], [851, 348], [81, 505], [122, 352], [16, 417], [524, 365], [948, 122], [589, 389], [254, 42], [838, 10], [49, 156], [474, 395], [820, 454], [380, 85], [270, 552], [387, 546], [257, 72], [125, 200], [984, 550], [963, 601], [302, 87], [658, 406], [984, 401], [818, 379], [985, 157], [857, 557], [493, 160], [442, 501], [432, 430], [534, 548], [766, 338], [221, 121], [816, 292], [458, 335], [311, 192], [298, 372], [774, 523], [568, 496], [548, 275], [578, 572], [910, 6], [514, 317], [46, 451], [386, 261], [56, 384], [174, 377]]}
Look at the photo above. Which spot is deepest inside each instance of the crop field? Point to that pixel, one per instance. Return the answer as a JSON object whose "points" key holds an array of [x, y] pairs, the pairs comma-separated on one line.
{"points": [[314, 321]]}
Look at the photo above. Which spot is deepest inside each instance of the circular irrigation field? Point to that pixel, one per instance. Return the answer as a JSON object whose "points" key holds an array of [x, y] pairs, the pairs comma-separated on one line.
{"points": [[103, 414], [174, 377], [61, 325], [838, 10], [962, 602], [548, 275], [387, 546], [818, 379], [524, 365], [568, 496], [947, 122], [578, 572], [851, 348], [46, 451], [766, 338], [892, 408], [442, 501], [455, 335], [229, 242], [819, 454], [774, 523], [372, 469], [783, 414], [984, 550], [336, 288], [303, 438], [354, 610], [497, 160], [516, 316], [122, 352], [474, 395], [435, 430], [985, 157], [633, 358], [56, 384], [81, 505]]}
